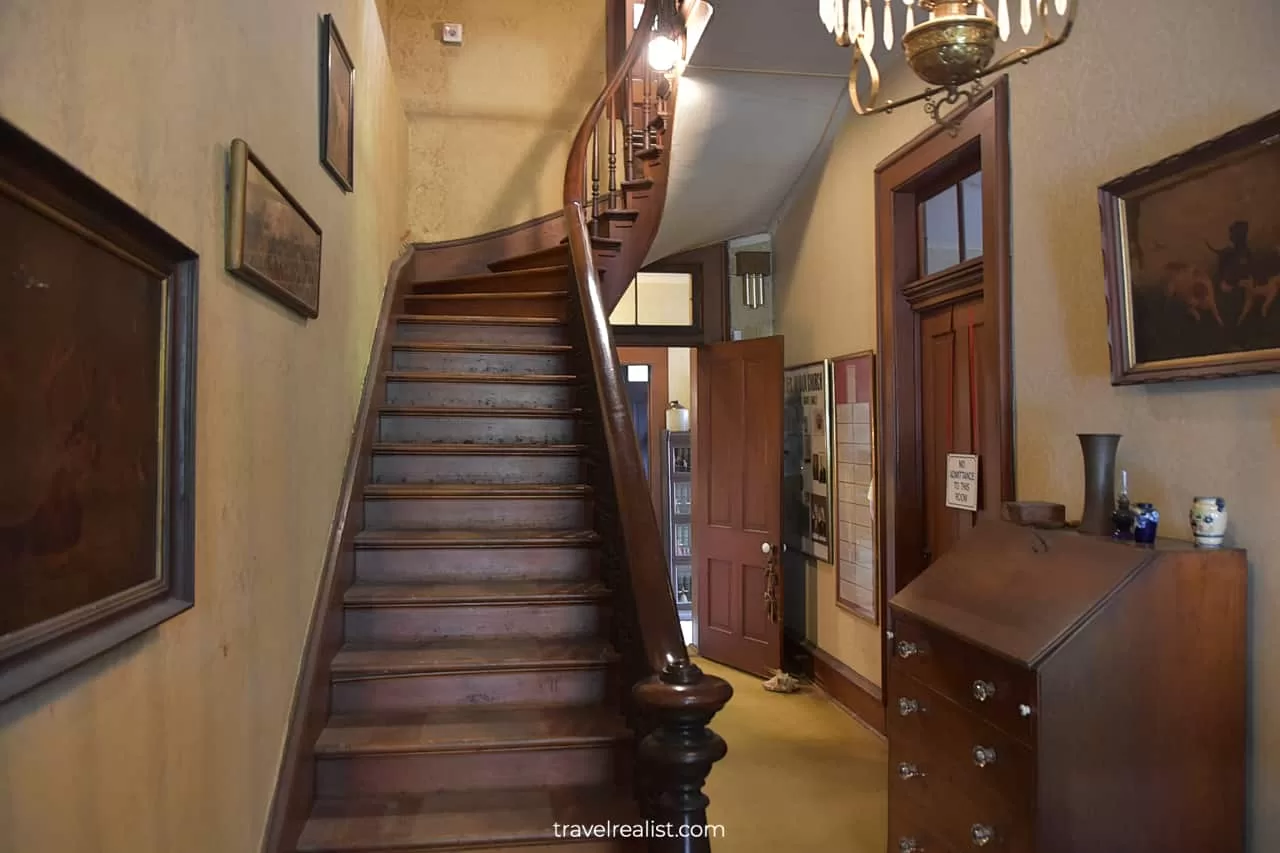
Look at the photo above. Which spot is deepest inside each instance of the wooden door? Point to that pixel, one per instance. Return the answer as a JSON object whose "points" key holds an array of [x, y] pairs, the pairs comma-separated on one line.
{"points": [[951, 399], [737, 503]]}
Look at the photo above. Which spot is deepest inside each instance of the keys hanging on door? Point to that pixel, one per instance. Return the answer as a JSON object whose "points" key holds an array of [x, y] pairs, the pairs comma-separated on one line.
{"points": [[770, 582]]}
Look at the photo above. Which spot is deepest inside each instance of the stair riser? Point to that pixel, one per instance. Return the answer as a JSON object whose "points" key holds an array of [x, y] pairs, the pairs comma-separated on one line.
{"points": [[474, 430], [437, 772], [556, 256], [486, 469], [515, 306], [477, 333], [487, 363], [443, 565], [394, 624], [412, 693], [477, 395], [541, 281], [487, 513]]}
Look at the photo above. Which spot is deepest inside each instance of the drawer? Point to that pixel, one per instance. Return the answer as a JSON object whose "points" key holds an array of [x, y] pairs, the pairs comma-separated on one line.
{"points": [[952, 826], [950, 751], [996, 689]]}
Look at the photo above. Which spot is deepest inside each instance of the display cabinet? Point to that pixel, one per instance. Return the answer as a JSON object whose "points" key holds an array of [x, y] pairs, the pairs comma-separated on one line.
{"points": [[678, 516]]}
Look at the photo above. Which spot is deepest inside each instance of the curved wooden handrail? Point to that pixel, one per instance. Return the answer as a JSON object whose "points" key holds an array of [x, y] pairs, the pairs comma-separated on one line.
{"points": [[673, 699], [642, 537], [575, 170]]}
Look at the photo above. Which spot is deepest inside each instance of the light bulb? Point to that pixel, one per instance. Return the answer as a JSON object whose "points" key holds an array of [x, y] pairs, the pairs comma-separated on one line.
{"points": [[663, 53]]}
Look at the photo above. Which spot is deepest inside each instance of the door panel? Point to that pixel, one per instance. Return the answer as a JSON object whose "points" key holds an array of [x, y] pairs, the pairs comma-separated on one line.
{"points": [[950, 381], [737, 502]]}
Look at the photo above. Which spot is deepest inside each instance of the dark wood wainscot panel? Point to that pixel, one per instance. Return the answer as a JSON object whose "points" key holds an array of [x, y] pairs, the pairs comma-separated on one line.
{"points": [[97, 393]]}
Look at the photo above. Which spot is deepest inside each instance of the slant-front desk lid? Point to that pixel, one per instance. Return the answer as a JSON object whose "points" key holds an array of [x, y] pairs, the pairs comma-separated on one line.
{"points": [[1019, 591]]}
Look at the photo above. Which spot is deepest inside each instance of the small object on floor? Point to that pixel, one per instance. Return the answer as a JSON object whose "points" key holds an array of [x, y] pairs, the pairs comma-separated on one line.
{"points": [[692, 650], [782, 683]]}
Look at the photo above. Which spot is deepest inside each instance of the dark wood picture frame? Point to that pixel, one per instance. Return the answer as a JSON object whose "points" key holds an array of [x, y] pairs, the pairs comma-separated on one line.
{"points": [[337, 124], [268, 237], [870, 609], [1189, 287], [97, 386]]}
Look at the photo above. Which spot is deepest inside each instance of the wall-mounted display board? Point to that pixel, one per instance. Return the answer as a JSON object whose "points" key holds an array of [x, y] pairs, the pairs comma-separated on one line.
{"points": [[853, 381]]}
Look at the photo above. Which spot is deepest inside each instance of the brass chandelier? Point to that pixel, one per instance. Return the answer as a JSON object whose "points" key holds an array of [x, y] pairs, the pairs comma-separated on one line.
{"points": [[949, 44]]}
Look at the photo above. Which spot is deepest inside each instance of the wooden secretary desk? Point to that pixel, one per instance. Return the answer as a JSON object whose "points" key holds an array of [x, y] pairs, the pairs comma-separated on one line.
{"points": [[1051, 692]]}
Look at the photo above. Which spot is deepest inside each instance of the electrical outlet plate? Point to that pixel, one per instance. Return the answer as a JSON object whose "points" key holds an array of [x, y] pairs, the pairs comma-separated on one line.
{"points": [[451, 33]]}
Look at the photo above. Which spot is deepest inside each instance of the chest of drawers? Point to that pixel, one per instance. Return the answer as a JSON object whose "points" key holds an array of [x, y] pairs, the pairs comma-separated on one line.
{"points": [[1050, 692]]}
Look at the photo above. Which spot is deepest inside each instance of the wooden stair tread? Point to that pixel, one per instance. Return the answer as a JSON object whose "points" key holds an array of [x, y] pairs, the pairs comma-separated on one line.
{"points": [[463, 655], [496, 538], [481, 412], [492, 295], [487, 378], [482, 349], [470, 729], [425, 449], [608, 244], [462, 820], [653, 152], [503, 275], [477, 320], [620, 213], [484, 592], [638, 184], [392, 491]]}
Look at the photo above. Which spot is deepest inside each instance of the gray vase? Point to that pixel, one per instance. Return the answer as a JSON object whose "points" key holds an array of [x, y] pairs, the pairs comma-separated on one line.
{"points": [[1099, 451]]}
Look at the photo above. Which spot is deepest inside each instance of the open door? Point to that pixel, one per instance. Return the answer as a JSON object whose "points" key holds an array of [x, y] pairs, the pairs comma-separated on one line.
{"points": [[737, 504]]}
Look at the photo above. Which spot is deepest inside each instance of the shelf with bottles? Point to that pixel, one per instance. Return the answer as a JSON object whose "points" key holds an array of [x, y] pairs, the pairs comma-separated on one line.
{"points": [[681, 462], [682, 541], [684, 589]]}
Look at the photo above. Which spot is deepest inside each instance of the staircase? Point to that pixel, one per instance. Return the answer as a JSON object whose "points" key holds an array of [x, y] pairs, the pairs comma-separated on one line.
{"points": [[475, 701], [495, 653]]}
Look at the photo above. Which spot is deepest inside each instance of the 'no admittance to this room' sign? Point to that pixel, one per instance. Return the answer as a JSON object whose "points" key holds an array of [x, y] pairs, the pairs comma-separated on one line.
{"points": [[962, 481]]}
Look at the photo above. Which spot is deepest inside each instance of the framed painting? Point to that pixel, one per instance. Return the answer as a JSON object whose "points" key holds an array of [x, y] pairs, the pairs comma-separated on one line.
{"points": [[1191, 248], [271, 241], [857, 554], [337, 107], [97, 418], [806, 460]]}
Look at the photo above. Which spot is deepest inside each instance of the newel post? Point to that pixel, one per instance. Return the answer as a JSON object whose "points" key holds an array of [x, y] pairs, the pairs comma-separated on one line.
{"points": [[678, 752]]}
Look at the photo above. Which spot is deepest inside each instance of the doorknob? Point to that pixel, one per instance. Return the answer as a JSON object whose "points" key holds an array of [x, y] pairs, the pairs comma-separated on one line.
{"points": [[766, 548]]}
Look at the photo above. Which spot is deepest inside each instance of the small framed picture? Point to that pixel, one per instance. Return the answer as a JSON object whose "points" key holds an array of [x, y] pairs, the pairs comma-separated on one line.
{"points": [[337, 108], [271, 241]]}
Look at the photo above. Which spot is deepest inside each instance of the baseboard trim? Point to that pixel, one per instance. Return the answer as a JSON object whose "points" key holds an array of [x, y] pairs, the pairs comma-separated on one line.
{"points": [[291, 799], [861, 698]]}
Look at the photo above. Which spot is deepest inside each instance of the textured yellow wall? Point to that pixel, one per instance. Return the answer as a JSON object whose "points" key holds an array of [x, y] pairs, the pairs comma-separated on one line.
{"points": [[172, 742], [1125, 91], [490, 122]]}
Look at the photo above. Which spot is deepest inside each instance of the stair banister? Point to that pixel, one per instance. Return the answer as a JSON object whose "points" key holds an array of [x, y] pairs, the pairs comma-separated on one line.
{"points": [[676, 699]]}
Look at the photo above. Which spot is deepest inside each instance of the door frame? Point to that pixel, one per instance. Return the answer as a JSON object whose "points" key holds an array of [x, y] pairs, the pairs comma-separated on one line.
{"points": [[908, 176], [659, 364]]}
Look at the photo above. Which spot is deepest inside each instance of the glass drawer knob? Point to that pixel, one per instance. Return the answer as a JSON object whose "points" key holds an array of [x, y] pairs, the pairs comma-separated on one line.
{"points": [[907, 707], [908, 771], [1024, 710], [983, 690], [907, 650], [984, 755], [982, 835], [908, 845]]}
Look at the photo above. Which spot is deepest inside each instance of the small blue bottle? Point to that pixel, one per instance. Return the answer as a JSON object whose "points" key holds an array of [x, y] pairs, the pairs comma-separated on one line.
{"points": [[1146, 518]]}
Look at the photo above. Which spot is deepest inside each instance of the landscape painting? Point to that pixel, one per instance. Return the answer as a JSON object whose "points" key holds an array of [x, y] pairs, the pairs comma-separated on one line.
{"points": [[97, 361], [1193, 261], [271, 241], [337, 92]]}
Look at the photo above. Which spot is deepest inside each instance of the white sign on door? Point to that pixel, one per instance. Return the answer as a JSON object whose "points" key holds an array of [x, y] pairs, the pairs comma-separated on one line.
{"points": [[962, 481]]}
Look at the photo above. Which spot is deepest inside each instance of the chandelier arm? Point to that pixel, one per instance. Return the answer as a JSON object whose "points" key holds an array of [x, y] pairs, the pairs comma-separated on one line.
{"points": [[1025, 54], [873, 73]]}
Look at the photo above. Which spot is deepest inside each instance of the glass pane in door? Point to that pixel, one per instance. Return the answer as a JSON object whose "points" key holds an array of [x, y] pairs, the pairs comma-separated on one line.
{"points": [[638, 396]]}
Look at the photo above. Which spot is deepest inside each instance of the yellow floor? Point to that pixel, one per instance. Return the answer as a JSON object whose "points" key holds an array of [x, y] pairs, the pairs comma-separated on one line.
{"points": [[801, 774]]}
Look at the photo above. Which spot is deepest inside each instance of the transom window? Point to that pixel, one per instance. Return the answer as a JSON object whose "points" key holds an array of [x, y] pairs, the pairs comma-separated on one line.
{"points": [[951, 225], [657, 299]]}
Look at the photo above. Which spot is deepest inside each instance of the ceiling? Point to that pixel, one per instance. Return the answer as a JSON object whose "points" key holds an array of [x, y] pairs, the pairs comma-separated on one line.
{"points": [[766, 85]]}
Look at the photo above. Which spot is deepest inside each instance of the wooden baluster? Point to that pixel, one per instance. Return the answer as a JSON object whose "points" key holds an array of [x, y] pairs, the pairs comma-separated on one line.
{"points": [[648, 103], [612, 119], [628, 116], [595, 179], [677, 754]]}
